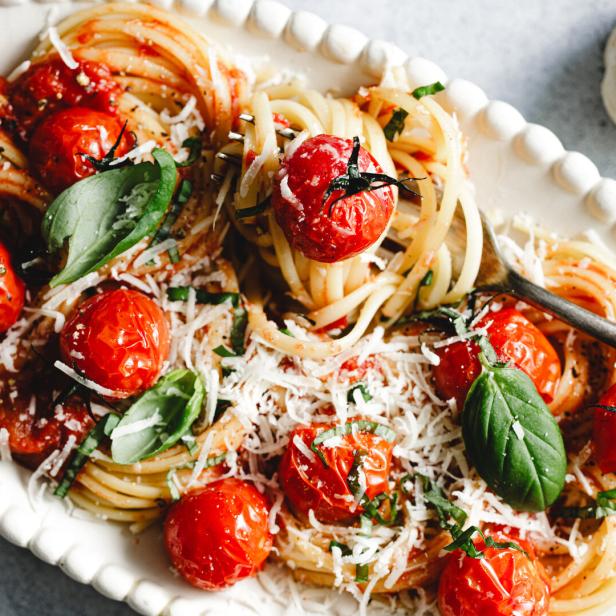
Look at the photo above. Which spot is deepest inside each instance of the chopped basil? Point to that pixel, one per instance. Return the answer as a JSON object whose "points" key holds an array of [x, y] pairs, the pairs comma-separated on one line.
{"points": [[194, 145], [602, 507], [107, 161], [170, 479], [161, 416], [103, 428], [164, 231], [428, 90], [104, 215], [189, 441], [426, 281], [238, 330], [463, 540], [286, 331], [396, 124], [222, 351], [344, 548], [181, 294], [365, 523], [355, 181], [434, 495], [371, 508], [360, 425], [361, 387], [362, 573], [248, 212]]}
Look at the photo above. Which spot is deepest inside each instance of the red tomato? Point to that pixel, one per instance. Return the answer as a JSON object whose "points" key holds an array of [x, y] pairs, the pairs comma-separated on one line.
{"points": [[51, 85], [219, 535], [514, 339], [119, 339], [34, 432], [504, 583], [12, 291], [356, 222], [604, 432], [309, 484], [63, 137]]}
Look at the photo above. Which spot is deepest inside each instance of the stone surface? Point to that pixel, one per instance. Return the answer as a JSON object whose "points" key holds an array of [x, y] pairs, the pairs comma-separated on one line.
{"points": [[545, 58]]}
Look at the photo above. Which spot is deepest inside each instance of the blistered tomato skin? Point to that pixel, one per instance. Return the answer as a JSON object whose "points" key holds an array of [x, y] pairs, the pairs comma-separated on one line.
{"points": [[219, 535], [310, 485], [119, 339], [61, 140], [355, 223], [604, 431], [504, 583], [12, 291], [515, 339], [51, 85]]}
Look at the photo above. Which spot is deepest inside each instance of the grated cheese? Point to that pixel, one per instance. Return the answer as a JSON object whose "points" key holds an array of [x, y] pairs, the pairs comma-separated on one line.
{"points": [[63, 51], [103, 391]]}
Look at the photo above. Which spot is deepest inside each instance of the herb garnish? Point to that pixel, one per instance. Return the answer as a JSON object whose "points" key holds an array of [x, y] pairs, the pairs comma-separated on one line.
{"points": [[103, 428], [426, 281], [107, 161], [361, 571], [180, 294], [396, 123], [428, 90], [194, 145], [170, 478], [363, 390], [602, 507], [355, 181]]}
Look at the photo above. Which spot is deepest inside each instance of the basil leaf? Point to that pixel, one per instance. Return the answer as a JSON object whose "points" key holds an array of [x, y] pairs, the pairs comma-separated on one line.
{"points": [[93, 439], [445, 509], [361, 387], [161, 416], [529, 472], [177, 294], [428, 90], [238, 330], [106, 214], [463, 540], [396, 124], [194, 146], [426, 281], [222, 351], [362, 573], [603, 506]]}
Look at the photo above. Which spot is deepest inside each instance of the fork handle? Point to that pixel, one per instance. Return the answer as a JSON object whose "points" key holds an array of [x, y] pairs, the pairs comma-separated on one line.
{"points": [[566, 311]]}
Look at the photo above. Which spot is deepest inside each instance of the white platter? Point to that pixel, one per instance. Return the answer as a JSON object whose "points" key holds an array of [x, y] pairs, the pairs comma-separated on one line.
{"points": [[516, 167]]}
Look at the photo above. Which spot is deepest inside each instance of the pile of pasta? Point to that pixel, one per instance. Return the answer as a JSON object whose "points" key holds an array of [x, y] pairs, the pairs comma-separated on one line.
{"points": [[229, 240]]}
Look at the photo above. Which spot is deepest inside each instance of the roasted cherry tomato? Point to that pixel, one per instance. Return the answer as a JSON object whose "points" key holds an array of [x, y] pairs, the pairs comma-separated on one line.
{"points": [[515, 339], [309, 484], [51, 85], [604, 431], [504, 583], [353, 224], [119, 339], [219, 535], [35, 429], [12, 291], [61, 141]]}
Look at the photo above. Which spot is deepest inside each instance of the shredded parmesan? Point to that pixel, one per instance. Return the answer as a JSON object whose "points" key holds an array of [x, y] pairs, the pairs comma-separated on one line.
{"points": [[61, 48], [103, 391]]}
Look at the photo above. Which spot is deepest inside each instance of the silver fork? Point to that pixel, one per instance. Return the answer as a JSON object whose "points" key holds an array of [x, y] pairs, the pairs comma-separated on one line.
{"points": [[497, 275]]}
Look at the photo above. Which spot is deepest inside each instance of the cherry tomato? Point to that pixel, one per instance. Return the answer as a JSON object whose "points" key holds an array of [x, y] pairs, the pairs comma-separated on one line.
{"points": [[219, 535], [355, 223], [34, 428], [309, 484], [50, 85], [514, 339], [12, 291], [119, 339], [61, 140], [604, 432], [504, 583]]}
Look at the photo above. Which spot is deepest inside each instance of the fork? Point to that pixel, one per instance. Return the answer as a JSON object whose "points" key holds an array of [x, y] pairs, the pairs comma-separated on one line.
{"points": [[496, 275]]}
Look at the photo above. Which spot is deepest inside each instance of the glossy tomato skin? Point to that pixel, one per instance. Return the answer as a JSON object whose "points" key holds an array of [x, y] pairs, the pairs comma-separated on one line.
{"points": [[119, 339], [515, 339], [61, 140], [51, 85], [504, 583], [604, 432], [356, 222], [308, 484], [12, 291], [219, 535]]}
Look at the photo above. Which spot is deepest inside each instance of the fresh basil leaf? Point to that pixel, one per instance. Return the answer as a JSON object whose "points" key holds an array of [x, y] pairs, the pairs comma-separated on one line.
{"points": [[396, 124], [360, 425], [93, 439], [161, 416], [194, 145], [428, 90], [238, 330], [463, 540], [602, 507], [528, 473], [106, 214], [445, 509], [222, 351], [177, 294], [372, 508], [361, 387]]}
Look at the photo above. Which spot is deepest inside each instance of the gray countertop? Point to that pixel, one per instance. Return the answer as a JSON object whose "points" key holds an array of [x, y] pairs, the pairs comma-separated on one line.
{"points": [[543, 57]]}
